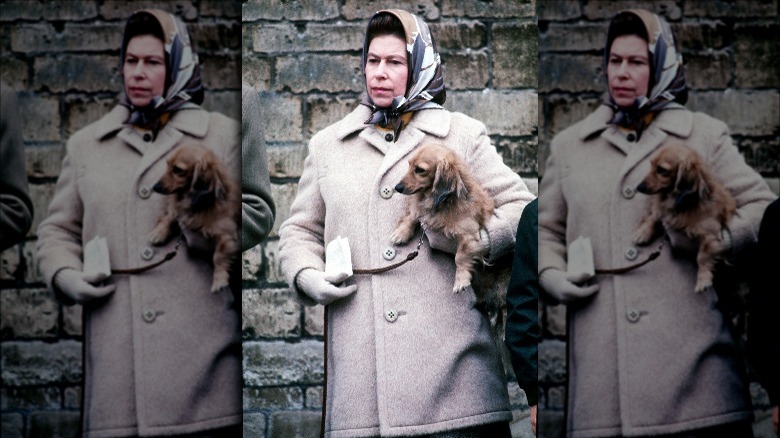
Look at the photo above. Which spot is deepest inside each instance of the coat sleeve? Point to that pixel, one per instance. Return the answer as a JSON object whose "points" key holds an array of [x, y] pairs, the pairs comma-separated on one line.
{"points": [[60, 233], [522, 323], [16, 210], [301, 236], [552, 215], [257, 205], [509, 192]]}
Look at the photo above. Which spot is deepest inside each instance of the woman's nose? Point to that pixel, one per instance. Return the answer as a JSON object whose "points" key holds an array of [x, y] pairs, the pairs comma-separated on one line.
{"points": [[138, 69], [623, 69], [381, 70]]}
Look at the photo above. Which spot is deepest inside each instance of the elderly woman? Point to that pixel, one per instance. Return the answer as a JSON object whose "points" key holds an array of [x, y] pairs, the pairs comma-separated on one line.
{"points": [[647, 355], [162, 354], [405, 355]]}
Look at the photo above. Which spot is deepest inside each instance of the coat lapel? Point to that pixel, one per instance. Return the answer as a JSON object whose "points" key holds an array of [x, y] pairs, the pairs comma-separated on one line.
{"points": [[433, 122]]}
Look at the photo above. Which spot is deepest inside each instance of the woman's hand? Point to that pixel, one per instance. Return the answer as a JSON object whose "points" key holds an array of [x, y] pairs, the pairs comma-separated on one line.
{"points": [[564, 287], [323, 288], [79, 286]]}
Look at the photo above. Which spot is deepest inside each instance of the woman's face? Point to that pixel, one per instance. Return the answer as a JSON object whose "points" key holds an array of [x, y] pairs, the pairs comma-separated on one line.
{"points": [[628, 69], [144, 69], [386, 69]]}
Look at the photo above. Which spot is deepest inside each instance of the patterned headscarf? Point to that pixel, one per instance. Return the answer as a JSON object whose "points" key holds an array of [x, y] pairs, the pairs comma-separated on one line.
{"points": [[667, 79], [183, 87], [425, 87]]}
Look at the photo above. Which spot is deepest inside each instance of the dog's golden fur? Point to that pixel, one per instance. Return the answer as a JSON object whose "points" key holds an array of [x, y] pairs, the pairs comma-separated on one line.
{"points": [[204, 198], [688, 198]]}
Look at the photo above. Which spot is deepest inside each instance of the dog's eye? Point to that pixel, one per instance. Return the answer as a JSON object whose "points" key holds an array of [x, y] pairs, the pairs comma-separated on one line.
{"points": [[177, 170], [662, 171], [418, 170]]}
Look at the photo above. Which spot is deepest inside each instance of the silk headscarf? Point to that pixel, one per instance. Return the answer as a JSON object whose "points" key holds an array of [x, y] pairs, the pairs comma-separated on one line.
{"points": [[183, 84], [425, 87], [667, 79]]}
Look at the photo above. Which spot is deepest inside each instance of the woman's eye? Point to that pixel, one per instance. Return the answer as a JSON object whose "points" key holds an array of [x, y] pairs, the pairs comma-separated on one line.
{"points": [[131, 61]]}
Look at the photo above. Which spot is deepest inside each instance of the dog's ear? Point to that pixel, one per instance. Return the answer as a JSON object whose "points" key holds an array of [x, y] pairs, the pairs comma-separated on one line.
{"points": [[690, 186], [206, 187], [447, 183]]}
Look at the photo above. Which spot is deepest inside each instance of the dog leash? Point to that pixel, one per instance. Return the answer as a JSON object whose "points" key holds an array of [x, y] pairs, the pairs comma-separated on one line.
{"points": [[141, 269], [409, 257], [652, 256]]}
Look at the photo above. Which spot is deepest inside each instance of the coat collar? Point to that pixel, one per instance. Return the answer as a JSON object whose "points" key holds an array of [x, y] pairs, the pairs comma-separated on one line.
{"points": [[678, 122], [431, 121], [189, 121]]}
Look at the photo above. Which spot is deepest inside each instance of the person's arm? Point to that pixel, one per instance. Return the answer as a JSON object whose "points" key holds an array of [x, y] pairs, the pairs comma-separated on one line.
{"points": [[16, 209], [257, 205]]}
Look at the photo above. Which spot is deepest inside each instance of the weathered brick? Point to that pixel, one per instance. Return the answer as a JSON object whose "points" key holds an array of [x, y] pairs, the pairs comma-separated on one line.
{"points": [[558, 9], [74, 37], [221, 72], [324, 110], [492, 9], [314, 37], [122, 10], [270, 313], [573, 37], [459, 35], [282, 363], [763, 155], [39, 363], [698, 36], [12, 424], [28, 313], [552, 362], [215, 37], [252, 261], [224, 102], [294, 423], [59, 424], [13, 73], [314, 397], [556, 397], [365, 9], [574, 73], [467, 71], [41, 196], [30, 398], [256, 71], [32, 274], [707, 71], [254, 424], [757, 56], [520, 426], [515, 55], [44, 161], [565, 111], [517, 398], [519, 155], [48, 10], [10, 261], [551, 422], [89, 73], [281, 117], [82, 110], [324, 73], [314, 320], [292, 10], [532, 184], [504, 113], [745, 112], [555, 320], [72, 320], [286, 160], [668, 9], [283, 195], [273, 398], [774, 185], [759, 396], [220, 9], [731, 8], [72, 397], [41, 118]]}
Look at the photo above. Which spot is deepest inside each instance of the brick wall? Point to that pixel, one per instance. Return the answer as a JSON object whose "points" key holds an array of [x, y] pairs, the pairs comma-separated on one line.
{"points": [[731, 54], [303, 57], [62, 58]]}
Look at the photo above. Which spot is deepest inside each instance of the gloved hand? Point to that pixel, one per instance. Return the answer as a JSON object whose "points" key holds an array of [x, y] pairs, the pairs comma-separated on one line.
{"points": [[79, 286], [323, 288], [564, 288]]}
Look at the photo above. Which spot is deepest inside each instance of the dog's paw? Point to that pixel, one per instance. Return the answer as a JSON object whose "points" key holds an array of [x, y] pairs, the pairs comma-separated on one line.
{"points": [[401, 235], [643, 235], [462, 281], [703, 281], [158, 235], [220, 281], [460, 287]]}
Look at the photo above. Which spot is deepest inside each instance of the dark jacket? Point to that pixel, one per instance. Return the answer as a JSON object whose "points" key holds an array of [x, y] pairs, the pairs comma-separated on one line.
{"points": [[16, 210]]}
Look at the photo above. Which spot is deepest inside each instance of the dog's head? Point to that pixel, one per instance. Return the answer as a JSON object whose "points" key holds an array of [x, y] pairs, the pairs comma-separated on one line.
{"points": [[676, 170], [434, 170], [192, 171]]}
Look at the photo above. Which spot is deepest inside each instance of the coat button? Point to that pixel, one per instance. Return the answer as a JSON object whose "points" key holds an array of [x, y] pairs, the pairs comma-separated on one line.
{"points": [[631, 253], [147, 253], [386, 192], [388, 253], [147, 137], [628, 192], [631, 137], [391, 315], [150, 315], [388, 137], [633, 315], [144, 192]]}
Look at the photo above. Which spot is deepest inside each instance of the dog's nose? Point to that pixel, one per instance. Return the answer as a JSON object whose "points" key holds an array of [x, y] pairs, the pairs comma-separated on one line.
{"points": [[399, 188], [158, 188], [642, 188]]}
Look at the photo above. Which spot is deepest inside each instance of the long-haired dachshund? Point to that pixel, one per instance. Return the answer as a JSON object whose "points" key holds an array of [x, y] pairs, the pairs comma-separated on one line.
{"points": [[688, 198], [204, 198]]}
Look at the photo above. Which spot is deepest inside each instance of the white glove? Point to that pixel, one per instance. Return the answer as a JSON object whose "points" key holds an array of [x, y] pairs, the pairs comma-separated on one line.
{"points": [[323, 288], [563, 287], [79, 286]]}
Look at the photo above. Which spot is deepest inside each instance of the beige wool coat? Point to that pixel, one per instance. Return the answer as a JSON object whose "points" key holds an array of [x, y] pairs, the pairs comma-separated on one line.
{"points": [[406, 355], [646, 354], [162, 354]]}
